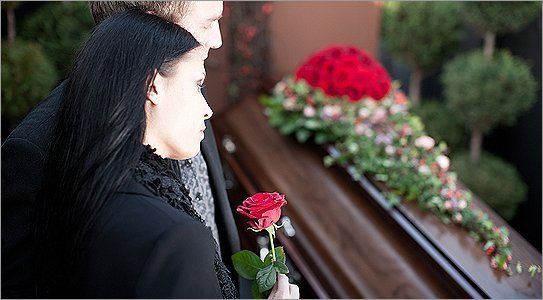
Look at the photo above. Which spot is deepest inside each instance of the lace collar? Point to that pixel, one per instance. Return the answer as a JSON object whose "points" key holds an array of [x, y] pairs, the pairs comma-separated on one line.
{"points": [[159, 176]]}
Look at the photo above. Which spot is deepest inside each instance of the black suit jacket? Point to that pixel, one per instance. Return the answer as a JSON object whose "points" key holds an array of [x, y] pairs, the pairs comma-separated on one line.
{"points": [[23, 157]]}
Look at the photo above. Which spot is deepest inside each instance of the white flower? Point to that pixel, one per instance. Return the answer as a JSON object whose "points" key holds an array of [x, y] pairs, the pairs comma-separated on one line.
{"points": [[369, 103], [462, 204], [396, 108], [443, 162], [290, 103], [309, 111], [331, 112], [448, 205], [425, 142], [389, 149], [279, 87], [364, 112], [457, 218], [424, 169], [368, 132]]}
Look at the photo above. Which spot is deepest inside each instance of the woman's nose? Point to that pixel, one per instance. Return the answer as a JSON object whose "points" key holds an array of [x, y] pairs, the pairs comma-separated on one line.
{"points": [[207, 111]]}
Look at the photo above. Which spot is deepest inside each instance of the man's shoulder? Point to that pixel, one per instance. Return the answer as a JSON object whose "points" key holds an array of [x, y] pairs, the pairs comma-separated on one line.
{"points": [[37, 127]]}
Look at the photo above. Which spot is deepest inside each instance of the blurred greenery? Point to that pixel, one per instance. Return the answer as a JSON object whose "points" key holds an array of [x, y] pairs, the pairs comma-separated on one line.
{"points": [[500, 16], [421, 34], [59, 28], [28, 75], [494, 180], [485, 93], [439, 124]]}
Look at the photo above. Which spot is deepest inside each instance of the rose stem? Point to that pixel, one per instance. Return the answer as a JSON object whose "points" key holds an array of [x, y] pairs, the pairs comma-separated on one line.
{"points": [[272, 246]]}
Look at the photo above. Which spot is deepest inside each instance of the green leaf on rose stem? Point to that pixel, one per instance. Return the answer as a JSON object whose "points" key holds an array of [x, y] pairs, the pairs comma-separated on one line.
{"points": [[280, 267], [266, 278], [279, 255], [256, 293], [247, 264]]}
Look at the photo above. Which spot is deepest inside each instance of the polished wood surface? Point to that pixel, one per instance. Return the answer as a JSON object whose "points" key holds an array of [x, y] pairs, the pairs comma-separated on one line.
{"points": [[346, 244]]}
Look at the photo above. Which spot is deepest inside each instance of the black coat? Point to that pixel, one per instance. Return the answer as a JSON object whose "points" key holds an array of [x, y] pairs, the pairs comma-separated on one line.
{"points": [[163, 275]]}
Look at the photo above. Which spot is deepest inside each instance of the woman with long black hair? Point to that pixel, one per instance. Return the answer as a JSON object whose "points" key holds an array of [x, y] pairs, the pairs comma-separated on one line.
{"points": [[114, 221]]}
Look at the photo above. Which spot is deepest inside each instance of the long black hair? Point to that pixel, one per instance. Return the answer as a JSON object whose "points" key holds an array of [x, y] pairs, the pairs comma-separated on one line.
{"points": [[98, 136]]}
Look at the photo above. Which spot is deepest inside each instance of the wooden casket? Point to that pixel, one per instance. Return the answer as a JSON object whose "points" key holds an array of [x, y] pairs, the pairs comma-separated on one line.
{"points": [[345, 240]]}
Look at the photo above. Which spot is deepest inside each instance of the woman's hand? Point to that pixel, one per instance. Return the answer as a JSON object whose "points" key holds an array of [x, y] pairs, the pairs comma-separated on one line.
{"points": [[283, 290]]}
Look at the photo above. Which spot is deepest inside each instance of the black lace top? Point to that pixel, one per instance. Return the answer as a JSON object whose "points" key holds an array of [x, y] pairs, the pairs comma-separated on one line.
{"points": [[157, 174]]}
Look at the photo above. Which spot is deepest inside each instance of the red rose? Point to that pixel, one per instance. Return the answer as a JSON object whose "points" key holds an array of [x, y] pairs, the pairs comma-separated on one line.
{"points": [[345, 71], [264, 209]]}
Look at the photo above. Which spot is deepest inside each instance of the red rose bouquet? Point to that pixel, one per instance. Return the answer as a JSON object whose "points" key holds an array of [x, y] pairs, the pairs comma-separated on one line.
{"points": [[345, 71], [263, 211]]}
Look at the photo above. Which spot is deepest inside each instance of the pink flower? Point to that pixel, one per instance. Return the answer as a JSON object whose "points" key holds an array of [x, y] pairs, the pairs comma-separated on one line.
{"points": [[457, 218], [331, 112], [443, 162], [406, 130], [448, 205], [425, 142], [290, 103], [280, 87], [379, 115], [462, 204], [400, 98], [309, 111], [359, 129]]}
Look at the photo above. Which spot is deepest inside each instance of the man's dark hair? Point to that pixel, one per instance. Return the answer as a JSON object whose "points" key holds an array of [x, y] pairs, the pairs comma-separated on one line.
{"points": [[171, 11]]}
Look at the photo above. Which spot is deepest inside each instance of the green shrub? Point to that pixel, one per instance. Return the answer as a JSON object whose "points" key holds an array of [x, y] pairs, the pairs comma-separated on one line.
{"points": [[485, 93], [421, 34], [60, 28], [492, 179], [27, 76], [441, 123]]}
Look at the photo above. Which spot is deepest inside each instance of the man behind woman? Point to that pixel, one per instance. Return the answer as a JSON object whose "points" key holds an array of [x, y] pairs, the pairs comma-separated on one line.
{"points": [[114, 217]]}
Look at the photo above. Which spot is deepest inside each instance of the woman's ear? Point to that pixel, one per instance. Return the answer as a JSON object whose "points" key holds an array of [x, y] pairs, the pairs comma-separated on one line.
{"points": [[156, 89]]}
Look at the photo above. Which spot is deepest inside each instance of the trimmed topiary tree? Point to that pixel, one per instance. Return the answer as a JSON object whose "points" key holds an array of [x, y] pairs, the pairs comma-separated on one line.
{"points": [[60, 28], [494, 180], [27, 76], [485, 93], [421, 35], [498, 17]]}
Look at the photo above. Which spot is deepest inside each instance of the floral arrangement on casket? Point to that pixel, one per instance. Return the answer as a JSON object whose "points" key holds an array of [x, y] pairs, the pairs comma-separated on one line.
{"points": [[342, 97]]}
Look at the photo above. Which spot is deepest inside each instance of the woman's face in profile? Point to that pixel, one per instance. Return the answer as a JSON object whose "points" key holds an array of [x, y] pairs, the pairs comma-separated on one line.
{"points": [[176, 109]]}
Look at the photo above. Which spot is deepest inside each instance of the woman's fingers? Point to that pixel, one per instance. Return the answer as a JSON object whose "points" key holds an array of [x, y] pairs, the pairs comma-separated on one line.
{"points": [[283, 290], [294, 291]]}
